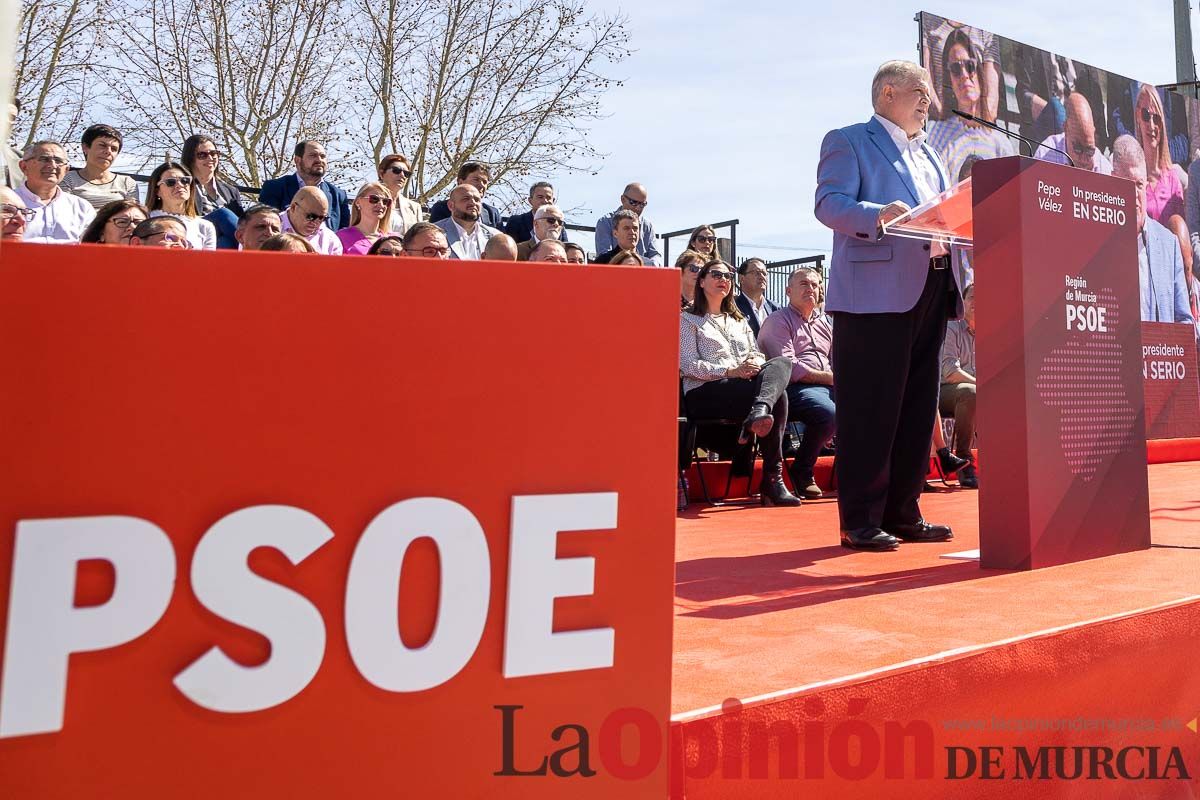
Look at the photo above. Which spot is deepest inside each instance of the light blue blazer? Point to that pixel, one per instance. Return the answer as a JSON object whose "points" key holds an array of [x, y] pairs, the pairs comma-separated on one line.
{"points": [[861, 172], [452, 241], [1168, 302]]}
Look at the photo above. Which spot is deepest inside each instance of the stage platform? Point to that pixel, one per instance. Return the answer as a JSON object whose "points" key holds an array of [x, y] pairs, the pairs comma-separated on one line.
{"points": [[772, 612]]}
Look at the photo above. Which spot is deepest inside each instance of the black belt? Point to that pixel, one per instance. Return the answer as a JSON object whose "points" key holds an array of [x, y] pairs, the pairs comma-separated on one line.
{"points": [[941, 262]]}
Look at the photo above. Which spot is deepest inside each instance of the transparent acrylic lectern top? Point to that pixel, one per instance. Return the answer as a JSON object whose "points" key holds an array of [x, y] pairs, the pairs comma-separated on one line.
{"points": [[945, 218]]}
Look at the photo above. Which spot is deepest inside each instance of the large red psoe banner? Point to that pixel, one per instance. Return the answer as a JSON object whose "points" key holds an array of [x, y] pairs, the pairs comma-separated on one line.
{"points": [[344, 527]]}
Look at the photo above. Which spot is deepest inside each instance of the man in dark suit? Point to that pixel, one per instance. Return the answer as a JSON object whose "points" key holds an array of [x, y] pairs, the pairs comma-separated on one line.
{"points": [[626, 227], [520, 226], [752, 301], [310, 164], [890, 298], [479, 176]]}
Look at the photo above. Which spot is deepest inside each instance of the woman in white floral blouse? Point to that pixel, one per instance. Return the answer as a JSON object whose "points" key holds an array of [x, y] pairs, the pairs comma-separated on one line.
{"points": [[725, 375]]}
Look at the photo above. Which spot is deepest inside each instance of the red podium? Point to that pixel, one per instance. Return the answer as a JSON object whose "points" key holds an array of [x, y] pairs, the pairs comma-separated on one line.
{"points": [[1061, 414]]}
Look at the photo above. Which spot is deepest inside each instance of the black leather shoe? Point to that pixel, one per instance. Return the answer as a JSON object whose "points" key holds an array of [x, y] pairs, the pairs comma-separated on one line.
{"points": [[950, 462], [968, 478], [869, 539], [772, 490], [921, 531], [759, 423]]}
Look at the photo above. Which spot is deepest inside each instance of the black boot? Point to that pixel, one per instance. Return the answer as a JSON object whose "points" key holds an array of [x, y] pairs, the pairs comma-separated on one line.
{"points": [[950, 462], [772, 489], [758, 423]]}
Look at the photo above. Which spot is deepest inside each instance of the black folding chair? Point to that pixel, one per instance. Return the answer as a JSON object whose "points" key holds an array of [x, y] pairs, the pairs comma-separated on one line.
{"points": [[690, 426]]}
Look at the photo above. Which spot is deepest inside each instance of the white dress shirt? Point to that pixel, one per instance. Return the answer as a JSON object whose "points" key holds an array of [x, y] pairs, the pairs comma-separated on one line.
{"points": [[472, 243], [323, 241], [61, 219], [924, 173]]}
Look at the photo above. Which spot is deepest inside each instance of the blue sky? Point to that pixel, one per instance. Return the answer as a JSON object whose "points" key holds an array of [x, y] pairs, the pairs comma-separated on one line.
{"points": [[724, 105]]}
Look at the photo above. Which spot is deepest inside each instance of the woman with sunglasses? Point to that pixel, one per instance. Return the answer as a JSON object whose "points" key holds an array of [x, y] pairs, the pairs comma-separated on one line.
{"points": [[390, 245], [1164, 191], [370, 218], [394, 172], [171, 191], [725, 375], [217, 200], [114, 223], [704, 241], [689, 263], [952, 138]]}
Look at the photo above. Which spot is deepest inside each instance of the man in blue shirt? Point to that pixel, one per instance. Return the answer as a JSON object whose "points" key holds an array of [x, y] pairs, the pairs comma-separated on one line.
{"points": [[633, 199]]}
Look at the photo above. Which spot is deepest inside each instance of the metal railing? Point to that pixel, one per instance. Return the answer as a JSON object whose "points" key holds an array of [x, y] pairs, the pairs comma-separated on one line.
{"points": [[778, 273]]}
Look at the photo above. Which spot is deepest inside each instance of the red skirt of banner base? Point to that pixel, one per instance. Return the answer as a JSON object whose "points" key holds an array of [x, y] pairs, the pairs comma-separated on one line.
{"points": [[874, 644]]}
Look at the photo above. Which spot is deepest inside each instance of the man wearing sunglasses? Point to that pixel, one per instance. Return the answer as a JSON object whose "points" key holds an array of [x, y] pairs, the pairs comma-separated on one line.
{"points": [[14, 216], [547, 224], [890, 298], [311, 164], [634, 199], [1078, 138], [58, 216], [306, 215]]}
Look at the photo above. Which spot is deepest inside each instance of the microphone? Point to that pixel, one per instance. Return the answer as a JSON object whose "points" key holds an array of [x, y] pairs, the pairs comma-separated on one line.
{"points": [[1034, 145]]}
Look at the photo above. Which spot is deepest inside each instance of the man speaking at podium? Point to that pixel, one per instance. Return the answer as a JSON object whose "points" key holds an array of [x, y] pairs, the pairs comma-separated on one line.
{"points": [[890, 298]]}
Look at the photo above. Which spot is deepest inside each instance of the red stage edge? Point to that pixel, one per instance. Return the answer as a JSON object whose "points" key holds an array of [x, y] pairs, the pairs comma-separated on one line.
{"points": [[1158, 451], [962, 698]]}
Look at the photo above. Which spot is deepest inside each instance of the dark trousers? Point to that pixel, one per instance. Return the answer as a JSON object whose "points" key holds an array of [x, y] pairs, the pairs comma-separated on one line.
{"points": [[958, 401], [731, 398], [811, 405], [886, 373]]}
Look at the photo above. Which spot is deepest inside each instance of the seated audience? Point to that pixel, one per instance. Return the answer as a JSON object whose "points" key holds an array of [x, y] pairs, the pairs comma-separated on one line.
{"points": [[288, 242], [426, 240], [957, 397], [390, 245], [704, 241], [725, 375], [1164, 286], [311, 165], [171, 191], [547, 224], [161, 231], [520, 226], [550, 251], [800, 333], [114, 222], [95, 181], [474, 174], [500, 247], [465, 233], [752, 301], [689, 263], [14, 216], [625, 232], [306, 215], [370, 218], [633, 200], [575, 253], [58, 216], [217, 200], [628, 258], [257, 224], [394, 172]]}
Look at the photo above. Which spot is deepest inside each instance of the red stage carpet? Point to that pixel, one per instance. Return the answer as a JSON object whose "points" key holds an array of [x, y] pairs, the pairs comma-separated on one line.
{"points": [[832, 646]]}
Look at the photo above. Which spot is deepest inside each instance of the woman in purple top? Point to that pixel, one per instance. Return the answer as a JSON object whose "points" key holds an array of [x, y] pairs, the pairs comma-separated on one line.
{"points": [[1164, 191], [370, 218]]}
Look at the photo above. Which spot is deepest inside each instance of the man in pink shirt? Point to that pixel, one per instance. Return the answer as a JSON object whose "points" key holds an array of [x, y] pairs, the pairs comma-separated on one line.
{"points": [[306, 215], [801, 333]]}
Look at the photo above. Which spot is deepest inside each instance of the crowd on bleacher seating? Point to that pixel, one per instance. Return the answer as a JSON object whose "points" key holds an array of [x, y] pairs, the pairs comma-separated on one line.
{"points": [[44, 199]]}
